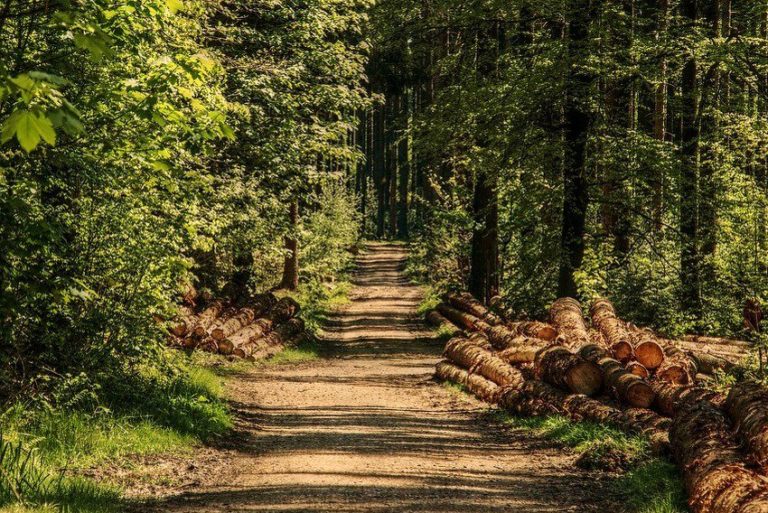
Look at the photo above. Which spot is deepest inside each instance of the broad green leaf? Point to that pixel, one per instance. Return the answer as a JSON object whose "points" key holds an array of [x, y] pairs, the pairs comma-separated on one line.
{"points": [[27, 132]]}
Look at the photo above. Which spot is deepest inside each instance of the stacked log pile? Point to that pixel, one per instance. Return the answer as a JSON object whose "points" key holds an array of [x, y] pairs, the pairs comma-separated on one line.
{"points": [[631, 378], [258, 328]]}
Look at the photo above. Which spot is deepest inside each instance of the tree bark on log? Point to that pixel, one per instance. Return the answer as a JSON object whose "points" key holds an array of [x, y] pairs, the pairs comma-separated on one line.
{"points": [[566, 317], [671, 398], [522, 349], [467, 303], [710, 364], [622, 384], [277, 338], [461, 319], [206, 318], [478, 385], [243, 318], [747, 405], [605, 320], [534, 329], [715, 476], [256, 330], [438, 320], [677, 368], [477, 359], [560, 367], [182, 324]]}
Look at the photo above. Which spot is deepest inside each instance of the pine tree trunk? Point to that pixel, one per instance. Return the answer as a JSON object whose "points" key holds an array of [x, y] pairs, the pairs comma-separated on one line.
{"points": [[690, 260], [290, 279], [404, 170], [577, 120]]}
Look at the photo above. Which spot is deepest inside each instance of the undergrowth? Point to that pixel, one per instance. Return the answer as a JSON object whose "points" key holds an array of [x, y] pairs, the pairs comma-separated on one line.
{"points": [[645, 483], [46, 442]]}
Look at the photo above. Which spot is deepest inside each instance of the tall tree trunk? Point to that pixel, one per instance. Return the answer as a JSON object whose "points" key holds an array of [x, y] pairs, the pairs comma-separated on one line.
{"points": [[484, 256], [690, 260], [290, 279], [379, 168], [404, 170], [577, 120], [660, 113], [708, 179], [392, 110], [484, 275]]}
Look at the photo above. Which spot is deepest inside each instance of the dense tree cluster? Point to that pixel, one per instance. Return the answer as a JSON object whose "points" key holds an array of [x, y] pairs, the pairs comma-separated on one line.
{"points": [[150, 145], [569, 148]]}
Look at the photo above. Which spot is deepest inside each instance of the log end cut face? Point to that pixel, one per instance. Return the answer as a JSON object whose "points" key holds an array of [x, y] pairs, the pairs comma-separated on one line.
{"points": [[585, 378], [650, 354]]}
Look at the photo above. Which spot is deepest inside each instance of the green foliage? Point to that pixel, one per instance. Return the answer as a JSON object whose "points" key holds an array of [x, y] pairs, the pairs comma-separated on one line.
{"points": [[84, 424], [492, 102]]}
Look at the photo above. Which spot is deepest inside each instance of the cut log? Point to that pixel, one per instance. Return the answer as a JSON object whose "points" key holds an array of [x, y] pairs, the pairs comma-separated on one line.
{"points": [[438, 320], [710, 364], [638, 369], [523, 350], [715, 476], [566, 317], [560, 367], [465, 302], [461, 319], [533, 398], [206, 318], [677, 368], [714, 348], [623, 352], [625, 386], [240, 320], [285, 309], [258, 347], [478, 385], [613, 329], [534, 329], [254, 331], [648, 351], [209, 345], [747, 405], [670, 398], [622, 384], [477, 359], [183, 322]]}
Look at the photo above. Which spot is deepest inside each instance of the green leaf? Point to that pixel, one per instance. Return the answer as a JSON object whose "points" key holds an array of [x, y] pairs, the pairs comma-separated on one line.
{"points": [[30, 129], [26, 131], [174, 5]]}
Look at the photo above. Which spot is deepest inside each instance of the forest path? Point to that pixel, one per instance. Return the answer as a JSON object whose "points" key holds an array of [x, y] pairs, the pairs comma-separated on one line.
{"points": [[367, 429]]}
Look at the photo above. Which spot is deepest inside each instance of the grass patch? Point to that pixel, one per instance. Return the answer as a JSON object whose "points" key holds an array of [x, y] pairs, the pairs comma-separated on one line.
{"points": [[455, 388], [304, 352], [647, 484], [317, 300], [430, 302], [45, 443]]}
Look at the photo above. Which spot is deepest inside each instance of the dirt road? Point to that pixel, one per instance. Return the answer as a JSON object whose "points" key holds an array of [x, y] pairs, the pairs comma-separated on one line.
{"points": [[365, 429]]}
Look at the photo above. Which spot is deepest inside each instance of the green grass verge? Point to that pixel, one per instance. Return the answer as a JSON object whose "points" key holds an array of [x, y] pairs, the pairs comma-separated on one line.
{"points": [[43, 447], [647, 484]]}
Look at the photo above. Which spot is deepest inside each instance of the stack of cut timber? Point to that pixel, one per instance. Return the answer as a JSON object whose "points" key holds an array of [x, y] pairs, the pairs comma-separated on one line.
{"points": [[720, 443], [255, 329]]}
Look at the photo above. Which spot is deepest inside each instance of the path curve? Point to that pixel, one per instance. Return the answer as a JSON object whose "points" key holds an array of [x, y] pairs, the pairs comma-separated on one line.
{"points": [[366, 429]]}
